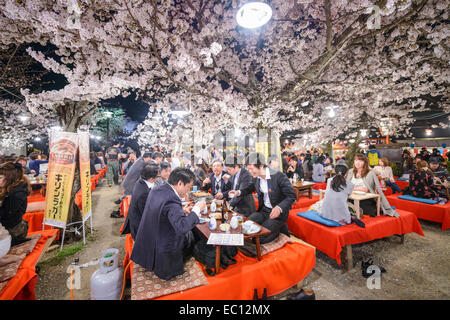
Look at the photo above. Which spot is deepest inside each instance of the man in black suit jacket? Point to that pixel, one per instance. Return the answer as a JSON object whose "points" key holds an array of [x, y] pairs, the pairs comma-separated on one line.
{"points": [[149, 175], [275, 196], [216, 181], [240, 179], [164, 238]]}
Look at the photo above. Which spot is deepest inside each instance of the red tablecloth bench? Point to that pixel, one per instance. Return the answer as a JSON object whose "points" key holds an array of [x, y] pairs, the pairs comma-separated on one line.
{"points": [[22, 285], [35, 220], [331, 240], [430, 212], [277, 272], [402, 184], [304, 201], [320, 186]]}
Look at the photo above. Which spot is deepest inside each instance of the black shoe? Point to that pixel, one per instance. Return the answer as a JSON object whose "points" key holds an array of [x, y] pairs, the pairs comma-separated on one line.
{"points": [[302, 295], [358, 222], [116, 214], [118, 201]]}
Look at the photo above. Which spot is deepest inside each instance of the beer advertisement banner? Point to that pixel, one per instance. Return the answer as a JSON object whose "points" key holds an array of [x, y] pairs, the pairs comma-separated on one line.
{"points": [[85, 174], [61, 169]]}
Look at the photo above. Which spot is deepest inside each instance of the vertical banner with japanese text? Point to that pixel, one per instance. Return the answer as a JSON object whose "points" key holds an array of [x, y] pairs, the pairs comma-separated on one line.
{"points": [[61, 169], [85, 174]]}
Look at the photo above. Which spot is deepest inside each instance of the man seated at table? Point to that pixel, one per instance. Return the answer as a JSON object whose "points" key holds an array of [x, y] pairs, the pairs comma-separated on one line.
{"points": [[216, 181], [240, 179], [275, 194], [164, 236], [440, 176], [146, 182], [164, 172]]}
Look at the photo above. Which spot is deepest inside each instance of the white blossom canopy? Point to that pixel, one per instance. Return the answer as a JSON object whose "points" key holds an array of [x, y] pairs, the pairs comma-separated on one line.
{"points": [[372, 59]]}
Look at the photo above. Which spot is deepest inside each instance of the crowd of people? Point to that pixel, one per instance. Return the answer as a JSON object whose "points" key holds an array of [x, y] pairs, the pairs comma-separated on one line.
{"points": [[162, 226]]}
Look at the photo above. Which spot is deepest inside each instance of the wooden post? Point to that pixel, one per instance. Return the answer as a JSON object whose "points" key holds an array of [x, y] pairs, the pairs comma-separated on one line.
{"points": [[348, 257]]}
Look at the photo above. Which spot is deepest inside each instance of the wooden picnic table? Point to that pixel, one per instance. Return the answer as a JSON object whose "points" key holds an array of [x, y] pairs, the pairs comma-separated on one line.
{"points": [[357, 197], [204, 229], [300, 186]]}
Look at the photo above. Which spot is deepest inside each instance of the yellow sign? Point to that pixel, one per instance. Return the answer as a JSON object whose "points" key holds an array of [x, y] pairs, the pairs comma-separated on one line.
{"points": [[61, 169], [263, 148], [85, 175]]}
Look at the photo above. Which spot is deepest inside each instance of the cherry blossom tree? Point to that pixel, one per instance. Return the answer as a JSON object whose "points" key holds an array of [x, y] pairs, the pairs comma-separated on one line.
{"points": [[369, 58]]}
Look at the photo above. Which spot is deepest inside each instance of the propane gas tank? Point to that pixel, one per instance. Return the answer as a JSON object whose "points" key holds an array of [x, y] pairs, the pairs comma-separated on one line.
{"points": [[106, 282]]}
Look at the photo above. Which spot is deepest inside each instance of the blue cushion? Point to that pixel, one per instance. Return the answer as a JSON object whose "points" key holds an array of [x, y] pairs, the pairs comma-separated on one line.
{"points": [[411, 198], [314, 216]]}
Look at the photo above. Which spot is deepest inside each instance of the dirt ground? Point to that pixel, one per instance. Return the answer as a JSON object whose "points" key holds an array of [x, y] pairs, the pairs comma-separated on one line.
{"points": [[417, 269]]}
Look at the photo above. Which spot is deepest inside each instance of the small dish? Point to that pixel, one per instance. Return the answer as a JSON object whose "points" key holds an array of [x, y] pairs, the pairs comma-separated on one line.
{"points": [[359, 192]]}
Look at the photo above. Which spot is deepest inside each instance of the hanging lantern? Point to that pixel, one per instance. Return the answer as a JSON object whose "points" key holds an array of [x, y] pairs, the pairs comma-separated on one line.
{"points": [[428, 132], [388, 126]]}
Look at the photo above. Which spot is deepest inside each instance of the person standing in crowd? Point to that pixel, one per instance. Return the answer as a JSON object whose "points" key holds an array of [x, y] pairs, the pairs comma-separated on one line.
{"points": [[307, 167], [146, 182], [164, 238], [102, 159], [93, 161], [366, 180], [384, 171], [36, 162], [203, 154], [240, 179], [174, 162], [275, 194], [373, 155], [216, 181], [130, 179], [319, 172], [314, 156], [407, 164], [334, 205], [294, 168], [112, 172], [14, 190]]}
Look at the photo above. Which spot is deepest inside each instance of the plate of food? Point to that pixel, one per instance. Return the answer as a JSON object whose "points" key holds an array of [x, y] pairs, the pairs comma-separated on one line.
{"points": [[216, 215], [201, 195], [359, 192], [249, 227]]}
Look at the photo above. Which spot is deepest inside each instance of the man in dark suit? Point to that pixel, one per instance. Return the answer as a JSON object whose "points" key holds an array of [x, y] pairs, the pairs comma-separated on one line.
{"points": [[240, 179], [164, 237], [216, 181], [131, 178], [149, 175], [275, 196]]}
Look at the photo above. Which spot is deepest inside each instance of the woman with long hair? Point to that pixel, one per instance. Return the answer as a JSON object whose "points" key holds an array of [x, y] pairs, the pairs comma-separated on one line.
{"points": [[366, 180], [421, 182], [14, 190], [384, 171], [334, 206]]}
